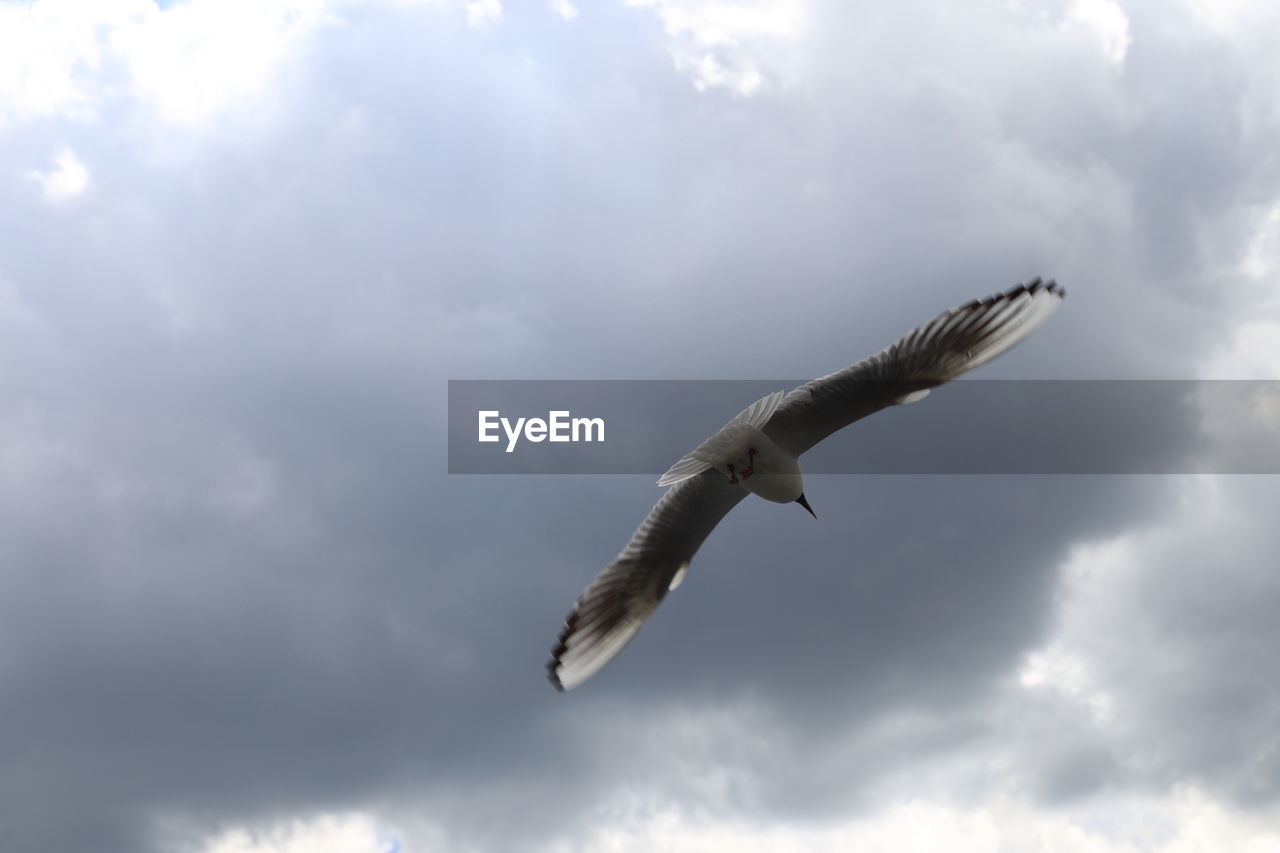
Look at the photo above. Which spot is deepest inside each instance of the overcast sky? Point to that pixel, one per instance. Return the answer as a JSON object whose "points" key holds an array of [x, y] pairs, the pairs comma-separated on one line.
{"points": [[243, 246]]}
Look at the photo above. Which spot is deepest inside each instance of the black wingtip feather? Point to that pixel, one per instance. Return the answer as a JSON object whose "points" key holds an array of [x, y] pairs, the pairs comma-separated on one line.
{"points": [[1033, 286], [561, 646]]}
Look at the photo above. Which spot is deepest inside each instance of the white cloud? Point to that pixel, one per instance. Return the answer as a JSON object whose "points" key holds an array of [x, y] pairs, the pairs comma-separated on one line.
{"points": [[347, 833], [1142, 656], [1188, 821], [1260, 260], [193, 58], [1059, 669], [186, 60], [1253, 349], [51, 50], [738, 46], [565, 9], [482, 13], [1253, 352], [1185, 821], [68, 177], [1107, 22], [1235, 18]]}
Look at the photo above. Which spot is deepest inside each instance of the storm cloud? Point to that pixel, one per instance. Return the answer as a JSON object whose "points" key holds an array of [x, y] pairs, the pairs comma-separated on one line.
{"points": [[244, 606]]}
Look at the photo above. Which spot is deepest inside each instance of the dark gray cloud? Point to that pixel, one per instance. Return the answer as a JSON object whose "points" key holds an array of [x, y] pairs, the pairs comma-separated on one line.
{"points": [[237, 585]]}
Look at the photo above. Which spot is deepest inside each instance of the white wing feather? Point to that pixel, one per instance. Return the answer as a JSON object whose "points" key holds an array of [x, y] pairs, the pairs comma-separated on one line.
{"points": [[611, 610], [694, 463], [951, 344]]}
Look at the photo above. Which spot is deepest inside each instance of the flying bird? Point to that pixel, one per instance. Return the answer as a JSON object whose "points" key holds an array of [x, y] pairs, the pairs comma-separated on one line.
{"points": [[758, 452]]}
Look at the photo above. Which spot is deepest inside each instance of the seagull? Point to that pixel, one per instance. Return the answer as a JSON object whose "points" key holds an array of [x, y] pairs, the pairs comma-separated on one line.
{"points": [[758, 452]]}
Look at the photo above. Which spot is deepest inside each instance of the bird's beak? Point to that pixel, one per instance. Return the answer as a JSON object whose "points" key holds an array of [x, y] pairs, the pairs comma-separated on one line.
{"points": [[804, 503]]}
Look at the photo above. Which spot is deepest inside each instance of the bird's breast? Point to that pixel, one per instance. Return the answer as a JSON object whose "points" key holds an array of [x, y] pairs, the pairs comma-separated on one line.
{"points": [[762, 467]]}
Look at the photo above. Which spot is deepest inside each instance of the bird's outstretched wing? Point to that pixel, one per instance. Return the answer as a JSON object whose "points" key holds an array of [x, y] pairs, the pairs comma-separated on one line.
{"points": [[953, 343], [611, 610]]}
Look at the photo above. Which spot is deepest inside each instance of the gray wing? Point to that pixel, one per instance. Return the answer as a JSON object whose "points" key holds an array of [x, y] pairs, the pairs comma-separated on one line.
{"points": [[611, 610], [937, 352]]}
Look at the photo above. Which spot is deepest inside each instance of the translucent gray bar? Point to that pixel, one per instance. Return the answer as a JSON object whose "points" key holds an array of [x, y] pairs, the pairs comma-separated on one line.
{"points": [[965, 427]]}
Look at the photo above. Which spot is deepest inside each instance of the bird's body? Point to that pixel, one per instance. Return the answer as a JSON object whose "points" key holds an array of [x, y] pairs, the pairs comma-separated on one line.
{"points": [[752, 459], [758, 452], [746, 456]]}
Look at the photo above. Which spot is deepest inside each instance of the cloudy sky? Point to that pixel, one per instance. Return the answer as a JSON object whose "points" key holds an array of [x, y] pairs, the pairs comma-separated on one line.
{"points": [[245, 243]]}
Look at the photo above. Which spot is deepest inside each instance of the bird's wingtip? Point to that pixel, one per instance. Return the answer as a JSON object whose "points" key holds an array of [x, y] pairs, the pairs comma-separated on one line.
{"points": [[1051, 286], [557, 651]]}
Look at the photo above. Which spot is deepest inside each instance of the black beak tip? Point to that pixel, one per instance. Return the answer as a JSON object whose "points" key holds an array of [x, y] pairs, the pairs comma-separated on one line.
{"points": [[804, 503]]}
